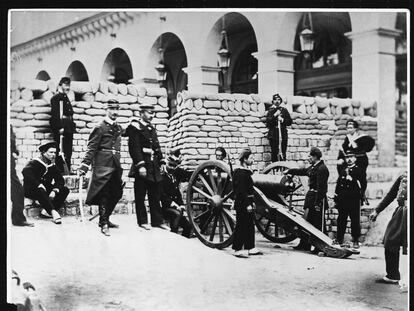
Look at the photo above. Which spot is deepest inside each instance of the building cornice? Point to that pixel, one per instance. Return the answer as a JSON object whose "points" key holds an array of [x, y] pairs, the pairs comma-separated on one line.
{"points": [[71, 35]]}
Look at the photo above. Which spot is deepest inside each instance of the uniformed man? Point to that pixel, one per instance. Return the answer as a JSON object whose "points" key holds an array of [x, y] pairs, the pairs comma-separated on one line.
{"points": [[147, 159], [17, 191], [277, 119], [315, 199], [220, 153], [348, 192], [44, 182], [171, 198], [61, 122], [104, 153]]}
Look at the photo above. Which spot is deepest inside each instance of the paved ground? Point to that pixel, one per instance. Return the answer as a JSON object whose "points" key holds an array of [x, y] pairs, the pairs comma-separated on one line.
{"points": [[75, 267]]}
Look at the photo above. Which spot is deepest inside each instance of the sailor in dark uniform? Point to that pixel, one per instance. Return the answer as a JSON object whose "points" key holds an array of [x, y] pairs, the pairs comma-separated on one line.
{"points": [[171, 198], [147, 159], [44, 182], [348, 192], [315, 199], [278, 116], [360, 144], [104, 153], [61, 122]]}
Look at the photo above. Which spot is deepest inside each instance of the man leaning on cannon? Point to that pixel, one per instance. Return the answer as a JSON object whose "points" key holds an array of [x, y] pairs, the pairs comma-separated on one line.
{"points": [[43, 181], [315, 199], [104, 153]]}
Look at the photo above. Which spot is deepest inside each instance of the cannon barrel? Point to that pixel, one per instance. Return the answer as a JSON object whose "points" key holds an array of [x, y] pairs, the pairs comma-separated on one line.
{"points": [[271, 185]]}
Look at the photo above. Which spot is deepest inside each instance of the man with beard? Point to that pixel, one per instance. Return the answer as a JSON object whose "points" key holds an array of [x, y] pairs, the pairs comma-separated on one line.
{"points": [[61, 122], [145, 151], [44, 182], [104, 153], [315, 199]]}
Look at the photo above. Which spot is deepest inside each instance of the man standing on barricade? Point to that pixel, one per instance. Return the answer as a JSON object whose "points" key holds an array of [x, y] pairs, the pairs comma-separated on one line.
{"points": [[145, 151], [104, 153], [61, 122], [315, 199], [42, 181], [277, 119]]}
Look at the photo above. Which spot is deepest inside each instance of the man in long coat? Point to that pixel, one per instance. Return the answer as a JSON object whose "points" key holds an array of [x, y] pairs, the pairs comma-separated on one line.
{"points": [[61, 122], [277, 119], [42, 181], [396, 233], [104, 153], [315, 199], [145, 151]]}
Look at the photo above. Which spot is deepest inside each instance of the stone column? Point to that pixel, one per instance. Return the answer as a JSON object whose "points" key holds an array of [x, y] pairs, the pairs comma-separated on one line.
{"points": [[276, 72], [203, 79], [373, 78]]}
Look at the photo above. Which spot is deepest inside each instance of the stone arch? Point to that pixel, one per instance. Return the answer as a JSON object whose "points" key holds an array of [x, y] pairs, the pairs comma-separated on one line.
{"points": [[241, 35], [43, 75], [175, 59], [77, 71], [117, 67]]}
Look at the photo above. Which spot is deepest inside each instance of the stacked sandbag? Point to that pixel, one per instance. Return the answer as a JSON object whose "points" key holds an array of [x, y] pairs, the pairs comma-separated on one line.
{"points": [[206, 121]]}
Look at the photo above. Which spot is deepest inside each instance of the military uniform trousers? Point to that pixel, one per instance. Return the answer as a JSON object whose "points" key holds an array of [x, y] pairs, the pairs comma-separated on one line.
{"points": [[244, 230], [177, 220], [274, 145], [143, 186], [349, 205], [17, 197], [67, 148], [47, 203], [107, 199]]}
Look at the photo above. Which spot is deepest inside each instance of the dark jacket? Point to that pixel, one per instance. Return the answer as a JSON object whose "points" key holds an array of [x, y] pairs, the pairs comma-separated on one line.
{"points": [[170, 186], [396, 232], [37, 173], [66, 122], [13, 149], [350, 182], [104, 154], [145, 150], [243, 188], [272, 121], [318, 180]]}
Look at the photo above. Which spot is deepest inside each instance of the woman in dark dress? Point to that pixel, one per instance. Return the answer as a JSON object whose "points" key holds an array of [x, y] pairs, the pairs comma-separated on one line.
{"points": [[244, 244]]}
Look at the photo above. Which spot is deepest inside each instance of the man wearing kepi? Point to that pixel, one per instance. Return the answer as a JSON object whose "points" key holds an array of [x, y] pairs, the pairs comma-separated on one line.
{"points": [[315, 199], [147, 159], [61, 121], [42, 181], [104, 153], [277, 119]]}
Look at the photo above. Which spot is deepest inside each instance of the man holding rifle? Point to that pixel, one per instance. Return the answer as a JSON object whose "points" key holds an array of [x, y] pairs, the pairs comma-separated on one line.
{"points": [[277, 119], [104, 153]]}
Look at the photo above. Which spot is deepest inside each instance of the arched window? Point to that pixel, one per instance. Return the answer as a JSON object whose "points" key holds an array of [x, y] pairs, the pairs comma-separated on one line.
{"points": [[244, 78], [77, 72], [43, 75]]}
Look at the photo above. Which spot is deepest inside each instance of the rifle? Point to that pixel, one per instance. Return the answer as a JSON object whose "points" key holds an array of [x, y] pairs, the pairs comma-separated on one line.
{"points": [[280, 154], [61, 155], [80, 198]]}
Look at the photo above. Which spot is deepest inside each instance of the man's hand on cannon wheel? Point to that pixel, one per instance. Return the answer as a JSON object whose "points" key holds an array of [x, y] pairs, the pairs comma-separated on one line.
{"points": [[373, 216], [142, 171]]}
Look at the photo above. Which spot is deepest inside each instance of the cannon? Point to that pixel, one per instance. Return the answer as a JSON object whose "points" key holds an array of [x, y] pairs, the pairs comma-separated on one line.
{"points": [[279, 207]]}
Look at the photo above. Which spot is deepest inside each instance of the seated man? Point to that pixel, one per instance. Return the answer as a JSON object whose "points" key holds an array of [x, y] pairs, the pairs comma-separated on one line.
{"points": [[171, 198], [42, 181]]}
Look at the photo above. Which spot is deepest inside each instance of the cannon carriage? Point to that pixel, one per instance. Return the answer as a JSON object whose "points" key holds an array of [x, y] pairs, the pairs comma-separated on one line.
{"points": [[279, 207]]}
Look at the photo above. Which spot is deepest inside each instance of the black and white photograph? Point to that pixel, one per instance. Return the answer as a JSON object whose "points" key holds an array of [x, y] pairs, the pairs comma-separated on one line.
{"points": [[208, 159]]}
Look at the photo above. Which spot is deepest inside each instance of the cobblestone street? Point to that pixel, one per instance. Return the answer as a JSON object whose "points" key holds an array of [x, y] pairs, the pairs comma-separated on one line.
{"points": [[74, 267]]}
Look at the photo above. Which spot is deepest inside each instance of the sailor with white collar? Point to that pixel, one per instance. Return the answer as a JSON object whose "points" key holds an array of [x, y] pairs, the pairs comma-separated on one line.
{"points": [[43, 181], [147, 159]]}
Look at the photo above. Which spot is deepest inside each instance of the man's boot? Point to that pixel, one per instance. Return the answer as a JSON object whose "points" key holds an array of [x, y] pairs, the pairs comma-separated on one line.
{"points": [[105, 230], [103, 223]]}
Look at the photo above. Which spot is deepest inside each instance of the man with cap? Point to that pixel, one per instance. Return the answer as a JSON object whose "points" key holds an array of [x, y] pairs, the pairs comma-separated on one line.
{"points": [[145, 151], [104, 153], [42, 181], [61, 122], [348, 193], [315, 198], [17, 191], [171, 199], [277, 119]]}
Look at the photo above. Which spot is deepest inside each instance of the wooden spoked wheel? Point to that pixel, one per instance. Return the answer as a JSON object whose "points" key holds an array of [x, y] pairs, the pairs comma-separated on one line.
{"points": [[295, 198], [210, 204]]}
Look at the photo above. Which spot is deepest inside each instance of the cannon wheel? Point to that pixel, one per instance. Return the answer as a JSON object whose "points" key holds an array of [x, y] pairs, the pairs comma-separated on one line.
{"points": [[268, 227], [209, 204]]}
